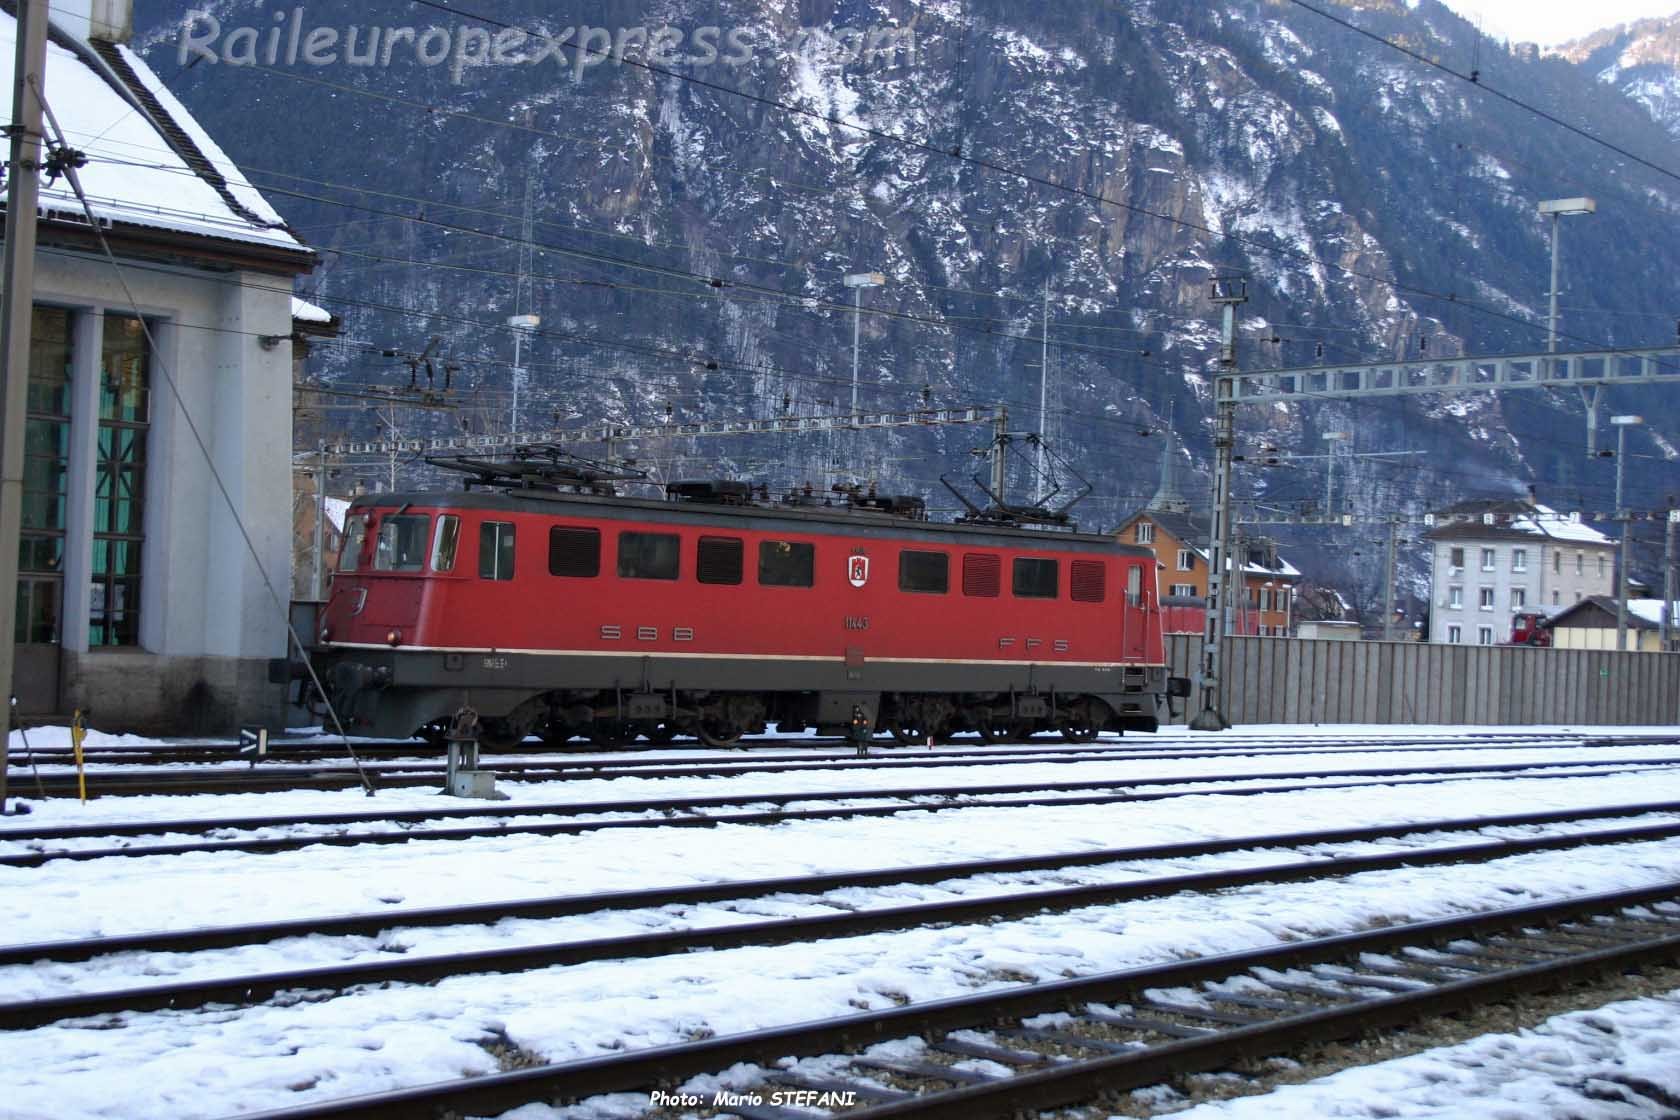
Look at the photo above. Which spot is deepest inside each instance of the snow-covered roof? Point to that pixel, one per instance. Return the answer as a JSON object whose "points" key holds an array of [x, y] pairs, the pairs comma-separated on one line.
{"points": [[1510, 518], [336, 509], [1547, 522], [1650, 610], [304, 311], [134, 175]]}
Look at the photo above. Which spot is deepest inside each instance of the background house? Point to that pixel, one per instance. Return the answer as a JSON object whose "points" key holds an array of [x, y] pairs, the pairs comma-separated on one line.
{"points": [[1491, 559], [1179, 540], [1591, 624], [153, 387]]}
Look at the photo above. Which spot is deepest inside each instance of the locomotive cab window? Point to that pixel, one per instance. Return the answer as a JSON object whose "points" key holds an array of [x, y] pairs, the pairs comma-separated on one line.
{"points": [[495, 550], [928, 572], [1034, 578], [786, 564], [718, 560], [444, 543], [574, 552], [355, 536], [401, 546], [982, 574], [648, 555]]}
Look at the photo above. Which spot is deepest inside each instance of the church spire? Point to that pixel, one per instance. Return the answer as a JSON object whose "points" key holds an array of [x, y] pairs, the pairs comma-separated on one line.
{"points": [[1168, 497]]}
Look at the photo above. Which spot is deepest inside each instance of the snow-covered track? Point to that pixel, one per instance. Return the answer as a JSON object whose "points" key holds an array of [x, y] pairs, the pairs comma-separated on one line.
{"points": [[1041, 1046], [848, 923], [693, 812], [389, 760]]}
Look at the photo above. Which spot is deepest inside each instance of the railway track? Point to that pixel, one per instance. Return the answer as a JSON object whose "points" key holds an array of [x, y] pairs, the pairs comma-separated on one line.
{"points": [[1035, 1047], [696, 812], [416, 752], [1017, 903], [260, 779]]}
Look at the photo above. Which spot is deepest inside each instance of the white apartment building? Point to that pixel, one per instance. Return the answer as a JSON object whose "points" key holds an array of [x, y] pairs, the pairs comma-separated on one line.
{"points": [[1493, 559]]}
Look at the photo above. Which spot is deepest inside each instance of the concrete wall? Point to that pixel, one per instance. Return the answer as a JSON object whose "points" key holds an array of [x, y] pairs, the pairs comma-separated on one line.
{"points": [[1294, 680], [209, 621]]}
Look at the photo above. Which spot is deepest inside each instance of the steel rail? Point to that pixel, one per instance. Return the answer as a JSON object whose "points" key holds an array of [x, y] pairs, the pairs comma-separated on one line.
{"points": [[712, 766], [260, 781], [1168, 748], [369, 924], [243, 990], [670, 1066], [953, 800]]}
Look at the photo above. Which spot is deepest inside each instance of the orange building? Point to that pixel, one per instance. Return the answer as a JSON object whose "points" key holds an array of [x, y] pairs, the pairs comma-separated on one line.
{"points": [[1179, 540]]}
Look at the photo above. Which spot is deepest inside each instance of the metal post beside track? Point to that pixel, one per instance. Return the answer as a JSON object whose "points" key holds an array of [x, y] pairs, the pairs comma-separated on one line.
{"points": [[1226, 295], [463, 778]]}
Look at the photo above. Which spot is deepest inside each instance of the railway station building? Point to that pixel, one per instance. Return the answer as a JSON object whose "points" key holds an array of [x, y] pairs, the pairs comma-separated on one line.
{"points": [[146, 598]]}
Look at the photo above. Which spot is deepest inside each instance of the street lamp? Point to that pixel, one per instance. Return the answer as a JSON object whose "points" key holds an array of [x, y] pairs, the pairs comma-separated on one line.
{"points": [[1557, 208], [1622, 424], [858, 281]]}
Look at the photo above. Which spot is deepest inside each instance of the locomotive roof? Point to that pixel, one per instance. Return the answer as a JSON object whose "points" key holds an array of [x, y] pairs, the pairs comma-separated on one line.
{"points": [[836, 520]]}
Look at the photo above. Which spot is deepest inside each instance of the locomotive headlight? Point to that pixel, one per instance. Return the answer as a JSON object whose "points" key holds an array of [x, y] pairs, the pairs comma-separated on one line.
{"points": [[326, 633], [394, 637]]}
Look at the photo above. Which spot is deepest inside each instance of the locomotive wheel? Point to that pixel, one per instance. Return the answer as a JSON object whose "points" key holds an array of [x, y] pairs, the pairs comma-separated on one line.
{"points": [[557, 734], [1077, 730], [605, 733], [718, 734], [994, 731], [499, 734], [908, 733]]}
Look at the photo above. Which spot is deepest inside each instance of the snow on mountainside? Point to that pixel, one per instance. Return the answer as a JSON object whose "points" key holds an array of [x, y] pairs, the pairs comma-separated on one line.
{"points": [[690, 244], [1642, 59]]}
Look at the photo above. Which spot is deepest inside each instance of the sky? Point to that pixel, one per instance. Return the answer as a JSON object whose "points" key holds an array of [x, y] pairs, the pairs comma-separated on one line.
{"points": [[1555, 21]]}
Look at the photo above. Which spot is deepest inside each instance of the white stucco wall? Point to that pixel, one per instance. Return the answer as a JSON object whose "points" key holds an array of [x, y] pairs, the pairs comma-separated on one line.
{"points": [[1538, 582], [207, 614]]}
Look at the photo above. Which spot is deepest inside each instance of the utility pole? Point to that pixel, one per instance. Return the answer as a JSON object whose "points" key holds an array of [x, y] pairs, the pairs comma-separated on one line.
{"points": [[523, 322], [1236, 599], [1043, 486], [1622, 424], [1334, 439], [17, 309], [1668, 582], [1000, 440], [317, 584], [1226, 293], [1388, 579]]}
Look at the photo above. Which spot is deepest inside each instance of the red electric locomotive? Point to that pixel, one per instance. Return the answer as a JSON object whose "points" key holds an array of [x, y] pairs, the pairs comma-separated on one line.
{"points": [[573, 611]]}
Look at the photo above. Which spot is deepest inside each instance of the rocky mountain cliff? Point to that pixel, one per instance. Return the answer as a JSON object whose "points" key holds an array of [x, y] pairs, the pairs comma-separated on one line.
{"points": [[688, 244]]}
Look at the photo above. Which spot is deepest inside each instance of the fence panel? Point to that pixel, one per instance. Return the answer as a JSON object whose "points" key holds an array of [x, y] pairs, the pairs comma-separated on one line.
{"points": [[1297, 680]]}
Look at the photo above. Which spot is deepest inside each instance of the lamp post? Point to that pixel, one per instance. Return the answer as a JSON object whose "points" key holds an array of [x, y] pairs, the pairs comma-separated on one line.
{"points": [[1622, 424], [1558, 208], [857, 282]]}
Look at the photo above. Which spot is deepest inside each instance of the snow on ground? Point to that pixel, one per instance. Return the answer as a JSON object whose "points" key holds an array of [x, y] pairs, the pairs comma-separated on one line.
{"points": [[1614, 1063], [226, 1061]]}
